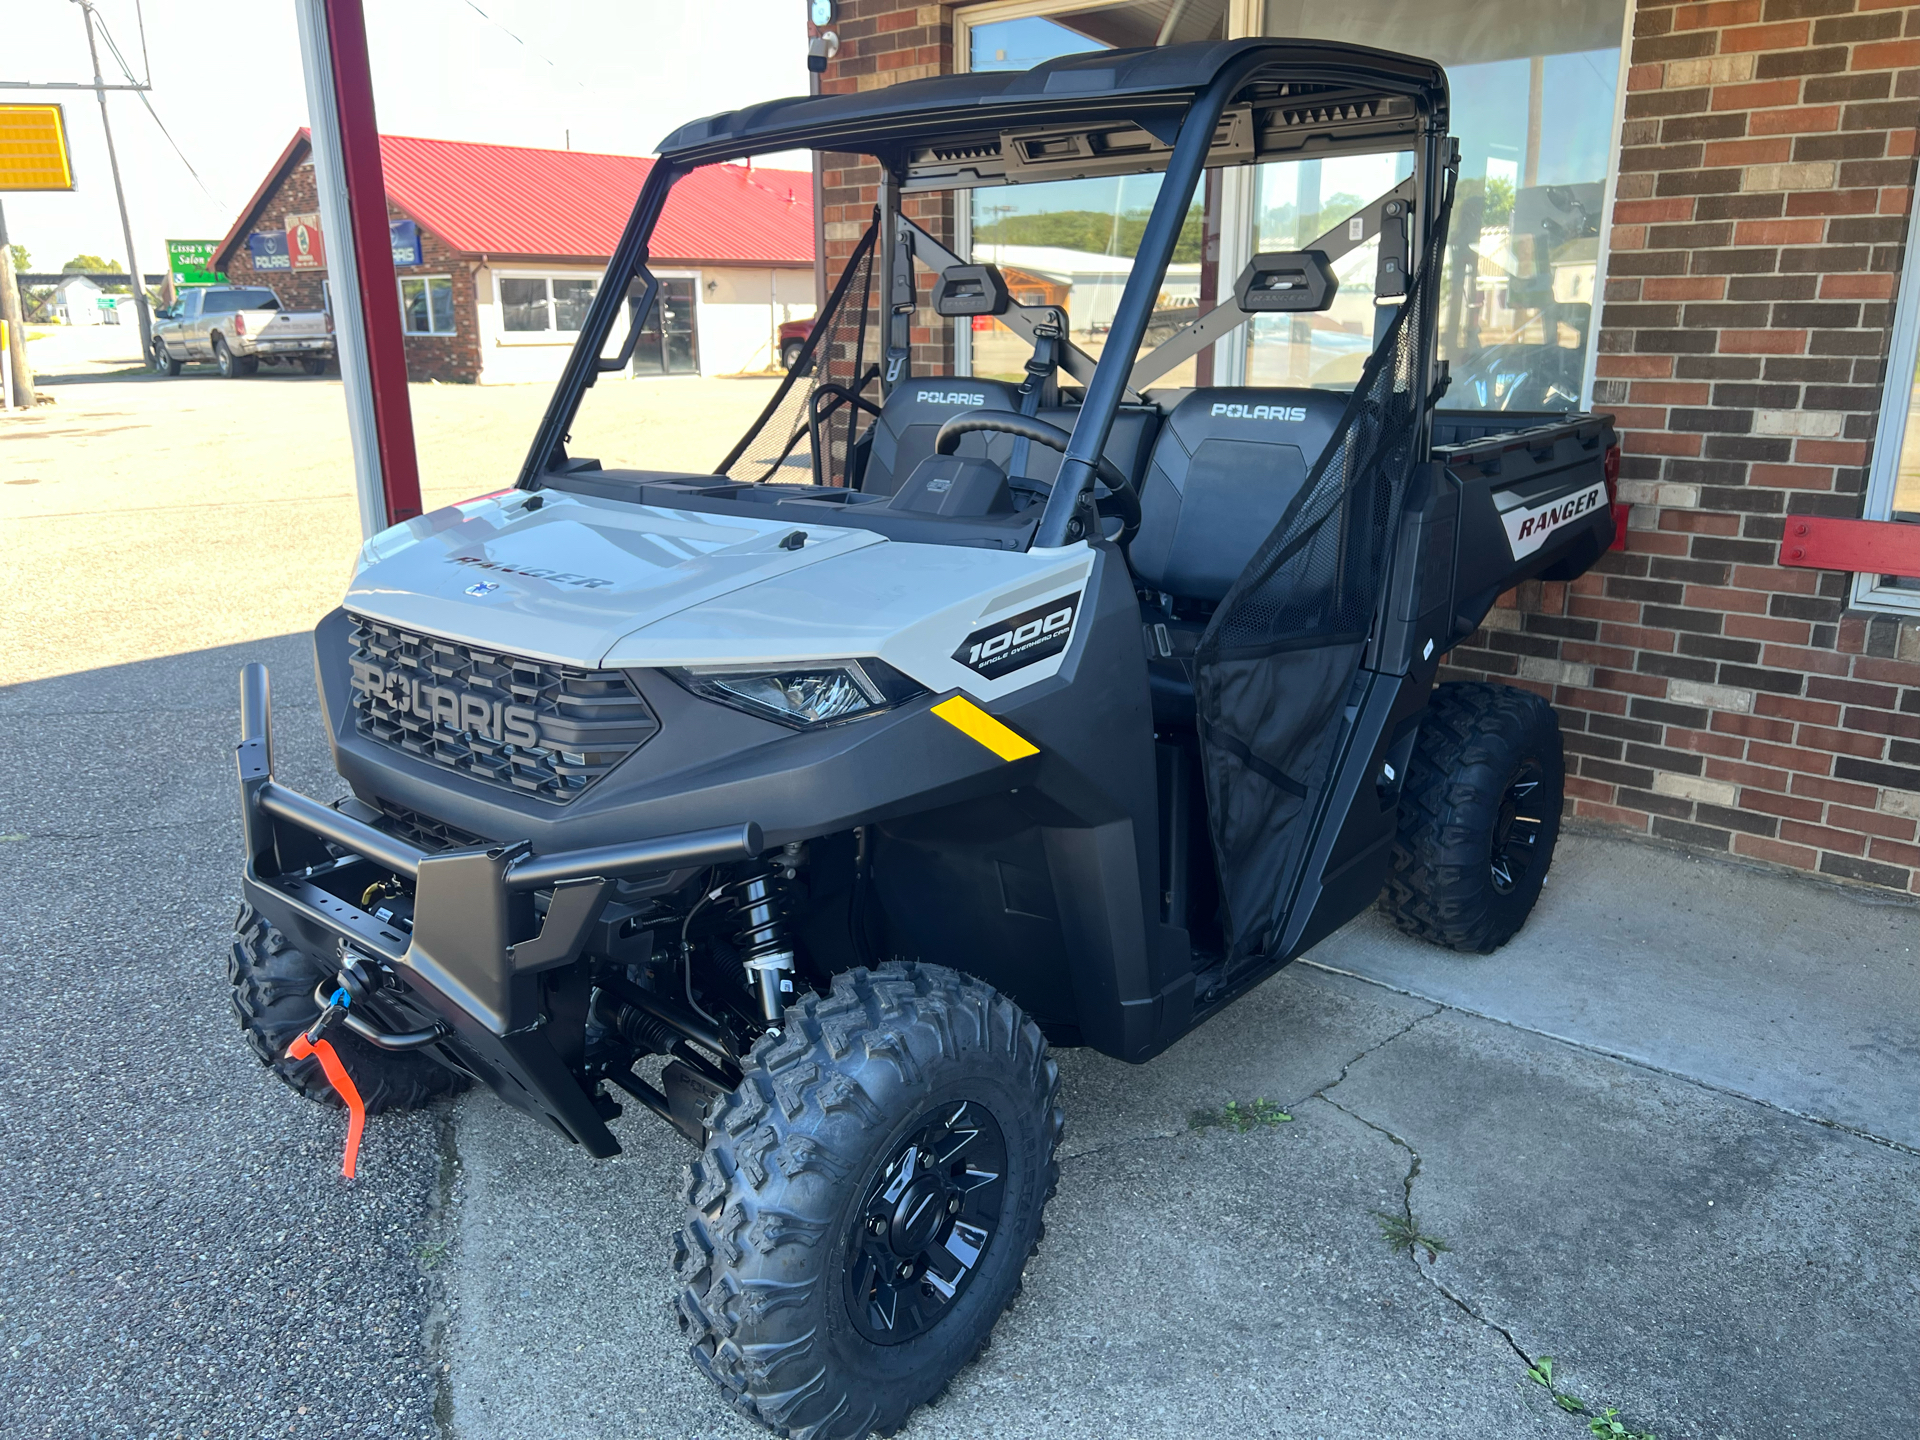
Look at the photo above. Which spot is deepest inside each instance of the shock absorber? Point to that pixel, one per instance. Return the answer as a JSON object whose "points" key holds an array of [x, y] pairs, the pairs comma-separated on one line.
{"points": [[761, 904]]}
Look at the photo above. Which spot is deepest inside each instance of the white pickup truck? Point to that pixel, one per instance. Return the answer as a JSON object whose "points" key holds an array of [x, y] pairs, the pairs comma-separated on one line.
{"points": [[236, 327]]}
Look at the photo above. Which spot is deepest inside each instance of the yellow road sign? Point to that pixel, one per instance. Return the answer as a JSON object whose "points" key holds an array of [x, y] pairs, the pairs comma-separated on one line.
{"points": [[33, 148]]}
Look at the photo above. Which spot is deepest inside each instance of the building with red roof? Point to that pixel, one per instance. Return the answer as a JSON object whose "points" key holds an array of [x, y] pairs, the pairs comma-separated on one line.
{"points": [[499, 249]]}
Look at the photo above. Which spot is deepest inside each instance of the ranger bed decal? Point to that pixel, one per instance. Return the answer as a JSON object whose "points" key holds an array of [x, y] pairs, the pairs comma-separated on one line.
{"points": [[1529, 526]]}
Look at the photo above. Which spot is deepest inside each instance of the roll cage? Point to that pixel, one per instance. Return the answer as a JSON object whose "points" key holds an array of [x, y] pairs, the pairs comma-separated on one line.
{"points": [[1176, 111]]}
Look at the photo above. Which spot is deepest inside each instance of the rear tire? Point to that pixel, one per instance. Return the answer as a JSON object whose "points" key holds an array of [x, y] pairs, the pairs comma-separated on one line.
{"points": [[227, 362], [273, 986], [790, 353], [826, 1285], [1479, 817], [314, 365]]}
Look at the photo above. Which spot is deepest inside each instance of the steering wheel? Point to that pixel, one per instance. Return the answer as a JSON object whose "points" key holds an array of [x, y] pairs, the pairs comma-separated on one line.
{"points": [[1121, 501]]}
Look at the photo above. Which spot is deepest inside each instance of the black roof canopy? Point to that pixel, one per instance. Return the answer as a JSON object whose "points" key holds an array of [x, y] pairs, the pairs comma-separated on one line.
{"points": [[1104, 112]]}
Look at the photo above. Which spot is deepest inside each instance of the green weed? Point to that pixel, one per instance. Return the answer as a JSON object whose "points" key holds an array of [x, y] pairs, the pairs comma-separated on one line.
{"points": [[1606, 1422], [1404, 1236], [1235, 1116]]}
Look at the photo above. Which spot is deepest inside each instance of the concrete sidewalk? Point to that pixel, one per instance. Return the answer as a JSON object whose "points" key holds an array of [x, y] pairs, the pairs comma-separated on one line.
{"points": [[1666, 1138]]}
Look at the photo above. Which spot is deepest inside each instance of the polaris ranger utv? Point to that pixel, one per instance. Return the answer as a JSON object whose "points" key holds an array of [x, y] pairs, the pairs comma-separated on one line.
{"points": [[1059, 712]]}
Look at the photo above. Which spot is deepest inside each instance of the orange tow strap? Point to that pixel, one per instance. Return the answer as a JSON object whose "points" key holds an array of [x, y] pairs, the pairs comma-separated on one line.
{"points": [[343, 1085]]}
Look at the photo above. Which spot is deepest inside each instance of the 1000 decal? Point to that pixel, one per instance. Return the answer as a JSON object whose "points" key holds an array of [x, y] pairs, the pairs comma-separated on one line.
{"points": [[1020, 640]]}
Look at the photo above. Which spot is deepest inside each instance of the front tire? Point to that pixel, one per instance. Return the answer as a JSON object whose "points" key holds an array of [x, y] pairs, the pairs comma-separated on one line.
{"points": [[790, 353], [273, 986], [1479, 817], [868, 1199], [160, 361]]}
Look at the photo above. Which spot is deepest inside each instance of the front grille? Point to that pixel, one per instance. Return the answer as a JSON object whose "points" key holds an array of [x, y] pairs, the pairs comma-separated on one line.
{"points": [[525, 725]]}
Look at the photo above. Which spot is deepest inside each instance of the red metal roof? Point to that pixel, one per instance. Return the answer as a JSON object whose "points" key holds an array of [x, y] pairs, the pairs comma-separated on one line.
{"points": [[510, 200], [507, 200]]}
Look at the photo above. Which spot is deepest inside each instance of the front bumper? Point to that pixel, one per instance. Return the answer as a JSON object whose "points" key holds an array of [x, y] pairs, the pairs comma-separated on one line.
{"points": [[467, 973]]}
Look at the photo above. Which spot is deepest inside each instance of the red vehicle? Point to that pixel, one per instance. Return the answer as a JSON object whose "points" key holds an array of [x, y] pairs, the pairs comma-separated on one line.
{"points": [[793, 338]]}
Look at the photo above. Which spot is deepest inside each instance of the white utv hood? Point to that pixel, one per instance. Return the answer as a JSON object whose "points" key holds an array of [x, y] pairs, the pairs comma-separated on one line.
{"points": [[601, 583]]}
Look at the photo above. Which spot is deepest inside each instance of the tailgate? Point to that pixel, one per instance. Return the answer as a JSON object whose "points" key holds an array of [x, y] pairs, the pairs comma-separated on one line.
{"points": [[267, 326]]}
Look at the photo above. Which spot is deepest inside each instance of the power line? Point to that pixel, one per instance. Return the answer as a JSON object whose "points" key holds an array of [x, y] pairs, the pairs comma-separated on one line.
{"points": [[125, 69], [518, 41]]}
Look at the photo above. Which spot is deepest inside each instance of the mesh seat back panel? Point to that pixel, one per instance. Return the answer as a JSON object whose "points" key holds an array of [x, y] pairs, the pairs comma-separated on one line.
{"points": [[1279, 660]]}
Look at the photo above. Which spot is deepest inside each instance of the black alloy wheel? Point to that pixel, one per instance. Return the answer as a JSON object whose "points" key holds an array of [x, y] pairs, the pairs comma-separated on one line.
{"points": [[1518, 829], [931, 1215], [1479, 817], [869, 1196]]}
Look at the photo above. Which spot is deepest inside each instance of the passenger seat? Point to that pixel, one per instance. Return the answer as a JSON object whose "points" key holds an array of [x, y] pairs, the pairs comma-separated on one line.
{"points": [[1227, 463]]}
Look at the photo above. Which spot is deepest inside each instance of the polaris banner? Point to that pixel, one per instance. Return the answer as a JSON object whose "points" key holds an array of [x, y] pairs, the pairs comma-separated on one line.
{"points": [[269, 250], [404, 235]]}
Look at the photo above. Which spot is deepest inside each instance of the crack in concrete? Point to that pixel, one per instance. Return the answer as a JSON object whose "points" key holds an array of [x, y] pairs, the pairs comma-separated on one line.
{"points": [[1825, 1122], [1414, 1165]]}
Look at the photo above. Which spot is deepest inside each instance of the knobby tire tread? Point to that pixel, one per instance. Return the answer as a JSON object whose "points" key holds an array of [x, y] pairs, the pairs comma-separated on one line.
{"points": [[1439, 885], [272, 985], [802, 1096]]}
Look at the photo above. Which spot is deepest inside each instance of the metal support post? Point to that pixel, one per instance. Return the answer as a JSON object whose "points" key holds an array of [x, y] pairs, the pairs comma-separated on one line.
{"points": [[119, 192], [353, 209], [13, 355]]}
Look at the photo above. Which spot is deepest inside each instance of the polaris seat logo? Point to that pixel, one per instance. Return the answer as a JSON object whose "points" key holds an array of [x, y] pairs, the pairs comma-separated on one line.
{"points": [[1020, 640], [949, 397], [1237, 411], [1529, 526]]}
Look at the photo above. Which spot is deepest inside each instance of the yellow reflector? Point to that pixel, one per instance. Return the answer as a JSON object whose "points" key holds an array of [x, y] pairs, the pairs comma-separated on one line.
{"points": [[33, 148], [973, 722]]}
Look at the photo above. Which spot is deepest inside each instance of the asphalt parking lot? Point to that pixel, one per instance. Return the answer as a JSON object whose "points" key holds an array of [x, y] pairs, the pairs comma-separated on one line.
{"points": [[1667, 1137]]}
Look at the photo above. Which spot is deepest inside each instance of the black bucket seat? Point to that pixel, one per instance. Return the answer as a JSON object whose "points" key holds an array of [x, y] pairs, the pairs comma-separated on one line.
{"points": [[1227, 463]]}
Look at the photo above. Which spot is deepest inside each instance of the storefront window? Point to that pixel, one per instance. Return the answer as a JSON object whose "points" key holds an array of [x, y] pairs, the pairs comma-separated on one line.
{"points": [[1533, 93], [523, 305], [570, 301], [559, 303], [1072, 243], [426, 304]]}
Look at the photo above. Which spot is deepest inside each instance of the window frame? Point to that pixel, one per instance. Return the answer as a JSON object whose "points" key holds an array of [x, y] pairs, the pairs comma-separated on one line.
{"points": [[400, 286], [1890, 433], [552, 335]]}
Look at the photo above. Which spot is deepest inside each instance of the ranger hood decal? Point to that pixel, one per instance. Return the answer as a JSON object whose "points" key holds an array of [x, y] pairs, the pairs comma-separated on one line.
{"points": [[574, 574]]}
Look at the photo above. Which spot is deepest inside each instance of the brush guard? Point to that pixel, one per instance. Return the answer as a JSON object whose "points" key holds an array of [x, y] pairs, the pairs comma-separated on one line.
{"points": [[470, 967]]}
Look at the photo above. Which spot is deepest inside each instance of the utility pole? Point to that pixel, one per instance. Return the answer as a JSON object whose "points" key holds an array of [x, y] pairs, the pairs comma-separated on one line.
{"points": [[10, 309], [120, 194]]}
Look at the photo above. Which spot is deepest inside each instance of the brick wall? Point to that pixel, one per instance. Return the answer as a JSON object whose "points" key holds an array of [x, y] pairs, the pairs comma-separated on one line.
{"points": [[883, 42], [447, 358], [1708, 696]]}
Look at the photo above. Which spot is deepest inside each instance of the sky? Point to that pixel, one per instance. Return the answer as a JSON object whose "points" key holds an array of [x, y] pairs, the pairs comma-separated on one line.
{"points": [[618, 74]]}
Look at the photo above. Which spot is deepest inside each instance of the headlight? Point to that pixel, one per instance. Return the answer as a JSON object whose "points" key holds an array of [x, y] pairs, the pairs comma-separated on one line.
{"points": [[806, 695]]}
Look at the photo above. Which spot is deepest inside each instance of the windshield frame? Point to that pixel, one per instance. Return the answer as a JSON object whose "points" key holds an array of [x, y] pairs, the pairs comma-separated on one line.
{"points": [[1186, 118]]}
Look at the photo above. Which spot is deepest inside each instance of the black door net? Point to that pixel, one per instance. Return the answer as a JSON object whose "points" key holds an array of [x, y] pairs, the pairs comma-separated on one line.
{"points": [[1279, 660], [808, 432]]}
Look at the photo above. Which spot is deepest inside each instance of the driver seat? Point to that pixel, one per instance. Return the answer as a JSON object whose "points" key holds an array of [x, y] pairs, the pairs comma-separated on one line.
{"points": [[910, 418]]}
